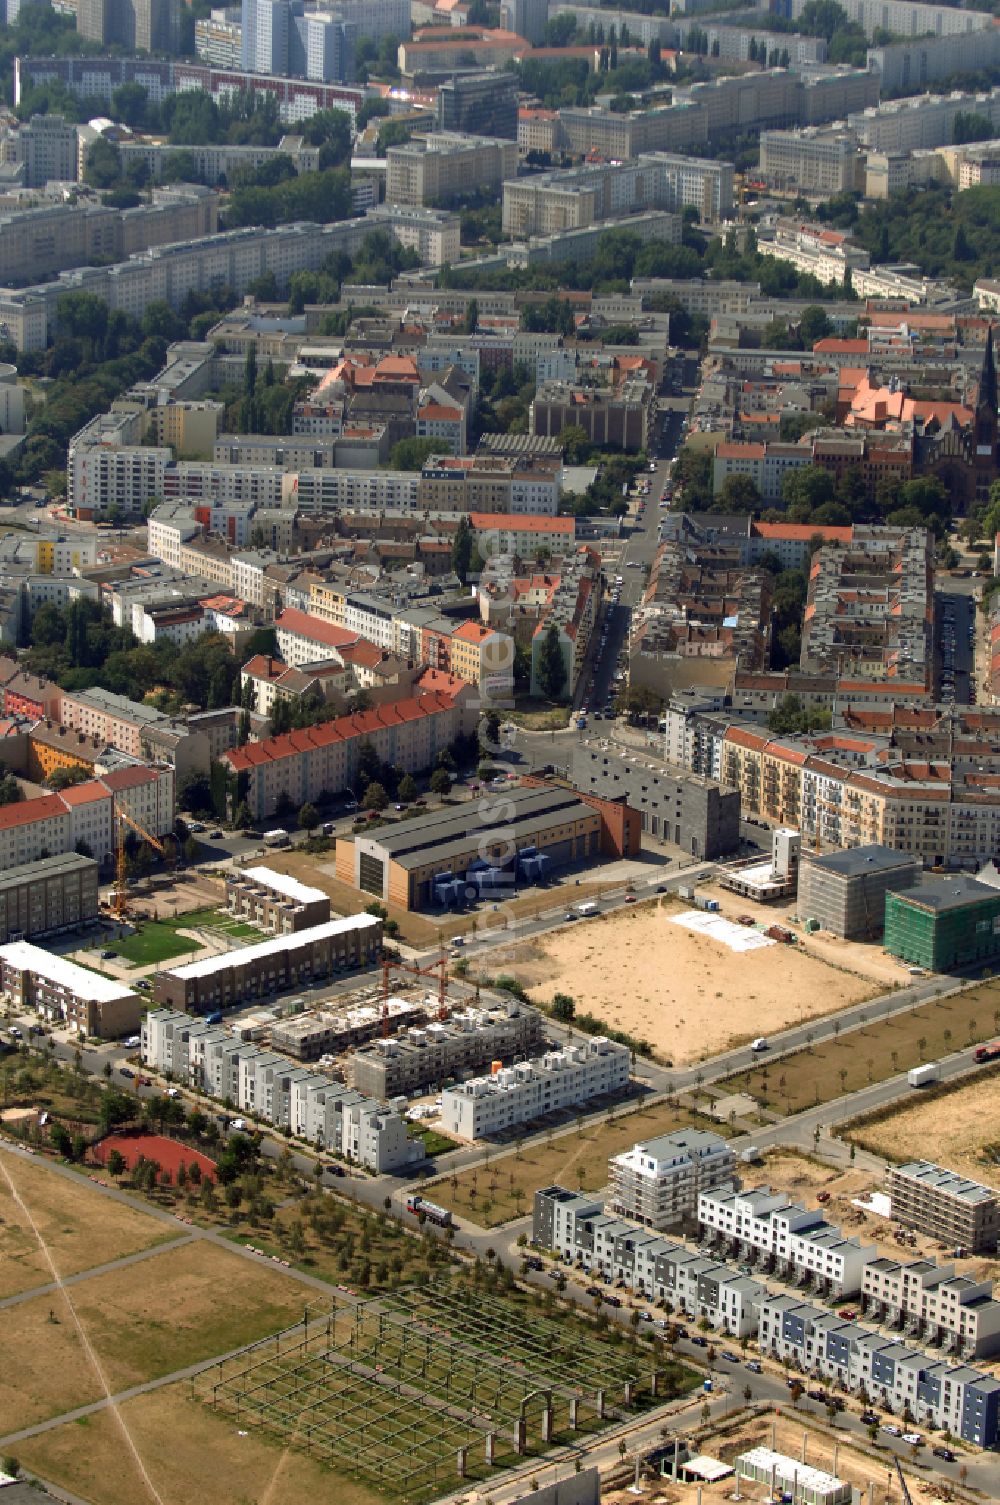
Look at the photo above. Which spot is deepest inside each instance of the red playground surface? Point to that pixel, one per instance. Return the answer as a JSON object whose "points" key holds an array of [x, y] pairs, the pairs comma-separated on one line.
{"points": [[168, 1153]]}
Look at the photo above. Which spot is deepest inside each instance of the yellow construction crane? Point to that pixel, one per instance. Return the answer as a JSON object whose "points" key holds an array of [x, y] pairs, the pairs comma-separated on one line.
{"points": [[123, 819]]}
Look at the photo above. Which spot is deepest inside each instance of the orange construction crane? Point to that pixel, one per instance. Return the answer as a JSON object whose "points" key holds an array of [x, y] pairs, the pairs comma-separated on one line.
{"points": [[123, 819], [438, 969]]}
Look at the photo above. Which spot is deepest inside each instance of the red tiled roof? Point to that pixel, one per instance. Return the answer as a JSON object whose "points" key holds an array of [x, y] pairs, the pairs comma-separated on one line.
{"points": [[25, 812], [128, 778], [522, 523], [311, 628], [85, 794], [344, 729]]}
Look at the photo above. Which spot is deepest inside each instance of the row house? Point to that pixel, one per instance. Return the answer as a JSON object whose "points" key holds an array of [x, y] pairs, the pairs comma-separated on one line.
{"points": [[271, 1087], [779, 1235], [886, 1372], [930, 1301], [576, 1228]]}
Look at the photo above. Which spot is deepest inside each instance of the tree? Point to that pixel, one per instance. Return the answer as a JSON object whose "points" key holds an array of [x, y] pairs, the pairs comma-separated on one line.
{"points": [[440, 782], [308, 817], [412, 454], [738, 494], [813, 325], [563, 1007], [375, 797], [461, 548], [577, 447], [551, 664], [10, 790], [62, 1143], [407, 791]]}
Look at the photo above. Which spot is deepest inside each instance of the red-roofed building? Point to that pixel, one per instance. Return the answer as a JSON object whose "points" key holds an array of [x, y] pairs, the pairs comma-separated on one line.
{"points": [[303, 765], [304, 639]]}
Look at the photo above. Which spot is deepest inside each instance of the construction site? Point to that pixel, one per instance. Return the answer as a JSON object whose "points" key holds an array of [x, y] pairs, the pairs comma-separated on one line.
{"points": [[451, 1381]]}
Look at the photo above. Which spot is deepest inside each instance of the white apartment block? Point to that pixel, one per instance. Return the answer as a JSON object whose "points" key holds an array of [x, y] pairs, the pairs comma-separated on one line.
{"points": [[279, 1091], [829, 255], [785, 1237], [930, 1301], [811, 160], [928, 120], [352, 490], [529, 1090], [659, 1182]]}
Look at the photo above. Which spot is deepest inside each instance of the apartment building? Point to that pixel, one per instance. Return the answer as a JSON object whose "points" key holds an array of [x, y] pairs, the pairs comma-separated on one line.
{"points": [[569, 1078], [304, 764], [916, 123], [352, 490], [525, 537], [439, 168], [929, 1301], [469, 1040], [134, 728], [511, 485], [550, 202], [272, 1087], [944, 1205], [892, 1375], [903, 66], [828, 255], [577, 1228], [326, 1031], [618, 417], [867, 608], [133, 25], [272, 966], [43, 898], [799, 1243], [658, 1183], [77, 998], [572, 609], [275, 902], [816, 161], [46, 147]]}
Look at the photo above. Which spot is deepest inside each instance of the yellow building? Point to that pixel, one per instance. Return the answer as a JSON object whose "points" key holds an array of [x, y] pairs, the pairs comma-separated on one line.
{"points": [[329, 603], [190, 429]]}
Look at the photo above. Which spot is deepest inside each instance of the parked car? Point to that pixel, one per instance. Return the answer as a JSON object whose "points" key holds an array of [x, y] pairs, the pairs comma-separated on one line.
{"points": [[946, 1454], [729, 1356], [126, 1071], [870, 1418], [913, 1439], [108, 956], [698, 1341], [891, 1429], [755, 1366]]}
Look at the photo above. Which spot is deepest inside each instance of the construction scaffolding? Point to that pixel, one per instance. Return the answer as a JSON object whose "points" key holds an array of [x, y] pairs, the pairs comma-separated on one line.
{"points": [[431, 1384]]}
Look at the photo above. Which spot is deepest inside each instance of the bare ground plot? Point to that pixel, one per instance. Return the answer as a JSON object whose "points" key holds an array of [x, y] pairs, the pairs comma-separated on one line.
{"points": [[802, 1177], [688, 995], [864, 957], [186, 1449], [78, 1226], [876, 1051], [170, 1311], [578, 1160], [959, 1123]]}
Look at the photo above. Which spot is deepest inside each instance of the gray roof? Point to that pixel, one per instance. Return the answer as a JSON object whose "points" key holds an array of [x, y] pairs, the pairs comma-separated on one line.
{"points": [[947, 893], [45, 867], [442, 834], [858, 860]]}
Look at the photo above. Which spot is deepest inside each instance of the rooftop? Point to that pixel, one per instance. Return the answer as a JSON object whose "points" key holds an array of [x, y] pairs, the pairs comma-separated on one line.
{"points": [[80, 981], [283, 883], [858, 860], [300, 939]]}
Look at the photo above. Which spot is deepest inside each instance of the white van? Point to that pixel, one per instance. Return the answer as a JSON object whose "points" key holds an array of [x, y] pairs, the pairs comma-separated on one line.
{"points": [[588, 908], [759, 1044]]}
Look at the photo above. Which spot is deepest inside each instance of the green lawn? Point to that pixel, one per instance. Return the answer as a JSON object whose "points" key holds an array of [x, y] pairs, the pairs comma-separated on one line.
{"points": [[154, 942]]}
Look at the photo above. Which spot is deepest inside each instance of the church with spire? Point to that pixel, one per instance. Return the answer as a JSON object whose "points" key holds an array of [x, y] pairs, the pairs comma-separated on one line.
{"points": [[967, 459]]}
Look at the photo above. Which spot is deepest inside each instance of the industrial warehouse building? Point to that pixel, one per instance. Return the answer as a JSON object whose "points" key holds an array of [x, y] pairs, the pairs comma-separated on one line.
{"points": [[845, 891], [943, 924], [274, 901], [697, 814], [64, 993], [487, 848], [41, 898], [274, 966]]}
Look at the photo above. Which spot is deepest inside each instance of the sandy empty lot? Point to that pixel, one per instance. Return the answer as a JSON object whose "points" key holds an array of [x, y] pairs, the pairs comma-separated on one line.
{"points": [[689, 996], [958, 1125]]}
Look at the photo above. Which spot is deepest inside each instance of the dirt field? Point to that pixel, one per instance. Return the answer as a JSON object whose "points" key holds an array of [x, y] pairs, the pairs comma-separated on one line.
{"points": [[688, 995], [158, 1316], [79, 1226], [867, 959], [958, 1124], [184, 1447], [578, 1161], [876, 1051], [169, 1154]]}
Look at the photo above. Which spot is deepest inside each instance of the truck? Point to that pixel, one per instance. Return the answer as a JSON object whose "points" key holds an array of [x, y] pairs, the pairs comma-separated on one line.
{"points": [[430, 1210], [923, 1076], [588, 908], [989, 1052], [276, 838]]}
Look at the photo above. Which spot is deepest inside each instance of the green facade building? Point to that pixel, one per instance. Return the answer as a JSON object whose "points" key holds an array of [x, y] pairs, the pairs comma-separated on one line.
{"points": [[943, 924]]}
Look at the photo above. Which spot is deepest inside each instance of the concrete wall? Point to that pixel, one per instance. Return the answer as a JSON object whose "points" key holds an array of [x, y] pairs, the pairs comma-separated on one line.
{"points": [[691, 812]]}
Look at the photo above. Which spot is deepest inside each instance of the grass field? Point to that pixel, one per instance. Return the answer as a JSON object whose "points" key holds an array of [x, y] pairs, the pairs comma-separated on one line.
{"points": [[155, 941], [874, 1052], [183, 1446], [578, 1161], [80, 1227], [163, 1314]]}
